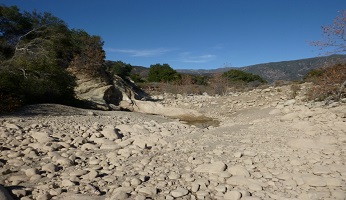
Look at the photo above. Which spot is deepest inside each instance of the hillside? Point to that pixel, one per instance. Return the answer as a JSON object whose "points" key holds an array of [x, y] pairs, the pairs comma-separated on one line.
{"points": [[284, 70], [291, 70]]}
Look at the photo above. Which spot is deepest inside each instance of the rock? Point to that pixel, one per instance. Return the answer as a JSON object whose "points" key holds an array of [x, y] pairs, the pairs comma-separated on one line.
{"points": [[250, 198], [18, 193], [221, 188], [339, 195], [232, 195], [195, 187], [4, 194], [173, 176], [31, 172], [79, 172], [333, 182], [319, 169], [215, 167], [150, 191], [110, 132], [42, 137], [304, 143], [313, 180], [237, 154], [179, 192], [275, 112], [135, 181], [50, 167], [238, 171], [64, 161], [67, 183], [254, 186], [289, 117]]}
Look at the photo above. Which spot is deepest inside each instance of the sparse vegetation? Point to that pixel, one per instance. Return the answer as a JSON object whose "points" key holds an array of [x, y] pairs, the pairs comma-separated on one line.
{"points": [[329, 84], [295, 88]]}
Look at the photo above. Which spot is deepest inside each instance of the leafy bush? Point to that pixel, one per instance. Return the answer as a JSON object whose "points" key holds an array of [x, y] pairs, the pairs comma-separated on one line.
{"points": [[37, 81], [234, 75], [162, 73], [118, 68]]}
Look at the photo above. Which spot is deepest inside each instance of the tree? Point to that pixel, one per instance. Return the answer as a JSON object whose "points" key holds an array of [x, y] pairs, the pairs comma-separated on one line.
{"points": [[119, 68], [88, 58], [334, 35], [35, 51], [162, 73]]}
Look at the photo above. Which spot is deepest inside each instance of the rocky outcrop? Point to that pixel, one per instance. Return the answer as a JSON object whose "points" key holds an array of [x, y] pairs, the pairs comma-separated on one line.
{"points": [[116, 93], [106, 92]]}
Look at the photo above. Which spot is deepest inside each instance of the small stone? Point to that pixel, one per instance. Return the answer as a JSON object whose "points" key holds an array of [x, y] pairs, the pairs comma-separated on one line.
{"points": [[238, 171], [179, 192], [31, 172], [110, 132], [250, 198], [335, 182], [79, 172], [339, 195], [254, 186], [42, 137], [50, 167], [232, 195], [67, 183], [173, 176], [318, 170], [18, 192], [44, 196], [136, 182], [247, 162], [220, 188], [313, 180], [237, 154], [215, 167], [295, 162], [195, 187], [250, 153], [148, 191]]}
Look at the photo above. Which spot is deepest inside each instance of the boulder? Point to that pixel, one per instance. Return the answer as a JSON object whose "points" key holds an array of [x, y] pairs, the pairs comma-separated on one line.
{"points": [[4, 194]]}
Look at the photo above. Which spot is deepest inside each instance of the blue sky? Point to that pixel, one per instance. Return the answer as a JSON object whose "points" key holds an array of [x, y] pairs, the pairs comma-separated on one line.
{"points": [[197, 34]]}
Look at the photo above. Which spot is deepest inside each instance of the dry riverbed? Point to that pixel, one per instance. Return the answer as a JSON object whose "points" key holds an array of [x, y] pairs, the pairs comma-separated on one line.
{"points": [[263, 145]]}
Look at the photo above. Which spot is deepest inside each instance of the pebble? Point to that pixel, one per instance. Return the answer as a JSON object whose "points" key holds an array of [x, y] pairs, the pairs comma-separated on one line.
{"points": [[179, 192], [215, 167], [232, 195]]}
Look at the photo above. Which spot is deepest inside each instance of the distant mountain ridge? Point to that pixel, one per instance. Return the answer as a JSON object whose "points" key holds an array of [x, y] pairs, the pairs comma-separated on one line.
{"points": [[272, 71]]}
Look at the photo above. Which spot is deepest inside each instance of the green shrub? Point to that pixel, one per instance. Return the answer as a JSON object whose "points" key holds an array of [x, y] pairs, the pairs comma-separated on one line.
{"points": [[162, 73], [234, 75], [118, 68]]}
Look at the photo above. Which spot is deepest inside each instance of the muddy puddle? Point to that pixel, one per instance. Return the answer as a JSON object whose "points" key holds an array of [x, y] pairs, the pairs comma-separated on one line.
{"points": [[201, 122]]}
